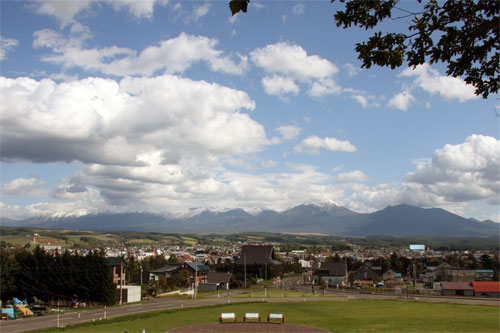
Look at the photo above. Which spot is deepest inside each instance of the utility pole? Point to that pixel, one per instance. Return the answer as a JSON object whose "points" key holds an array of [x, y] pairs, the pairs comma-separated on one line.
{"points": [[414, 277], [121, 274], [266, 265], [346, 274], [195, 275]]}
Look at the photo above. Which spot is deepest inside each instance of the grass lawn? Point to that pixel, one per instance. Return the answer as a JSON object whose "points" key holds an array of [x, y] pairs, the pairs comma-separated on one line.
{"points": [[336, 316]]}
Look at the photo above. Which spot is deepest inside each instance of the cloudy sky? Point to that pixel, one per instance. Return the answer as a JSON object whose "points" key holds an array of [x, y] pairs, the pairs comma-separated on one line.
{"points": [[165, 106]]}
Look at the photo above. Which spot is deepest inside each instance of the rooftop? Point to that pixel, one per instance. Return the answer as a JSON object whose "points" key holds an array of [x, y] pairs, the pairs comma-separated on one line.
{"points": [[486, 286]]}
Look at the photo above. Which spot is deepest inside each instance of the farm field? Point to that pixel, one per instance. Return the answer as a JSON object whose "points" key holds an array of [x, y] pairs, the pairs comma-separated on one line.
{"points": [[335, 316], [20, 236]]}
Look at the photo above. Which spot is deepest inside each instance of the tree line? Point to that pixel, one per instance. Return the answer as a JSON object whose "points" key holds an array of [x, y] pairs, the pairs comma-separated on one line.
{"points": [[27, 273]]}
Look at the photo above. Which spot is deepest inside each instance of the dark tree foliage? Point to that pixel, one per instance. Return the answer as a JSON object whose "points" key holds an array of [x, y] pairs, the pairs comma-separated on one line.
{"points": [[8, 268], [132, 270], [172, 260], [238, 5], [400, 264], [353, 264], [59, 276], [486, 261], [384, 263], [181, 279], [154, 262], [335, 258], [288, 267], [471, 262], [464, 34]]}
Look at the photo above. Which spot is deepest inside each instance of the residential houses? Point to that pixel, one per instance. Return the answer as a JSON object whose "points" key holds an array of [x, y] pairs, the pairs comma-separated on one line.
{"points": [[367, 274], [440, 278], [333, 273], [217, 281], [118, 270]]}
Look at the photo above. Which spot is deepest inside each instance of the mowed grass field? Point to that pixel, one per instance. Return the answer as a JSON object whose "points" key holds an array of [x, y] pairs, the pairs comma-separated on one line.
{"points": [[335, 316]]}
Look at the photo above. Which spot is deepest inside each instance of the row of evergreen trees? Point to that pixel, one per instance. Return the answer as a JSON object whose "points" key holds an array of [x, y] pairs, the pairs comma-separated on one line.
{"points": [[26, 273]]}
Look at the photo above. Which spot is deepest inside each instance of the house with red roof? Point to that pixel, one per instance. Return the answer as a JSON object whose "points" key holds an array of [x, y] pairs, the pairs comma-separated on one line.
{"points": [[486, 288]]}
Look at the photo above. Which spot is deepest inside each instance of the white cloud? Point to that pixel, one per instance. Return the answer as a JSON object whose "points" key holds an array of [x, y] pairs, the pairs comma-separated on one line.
{"points": [[172, 56], [279, 85], [257, 5], [453, 178], [70, 189], [313, 144], [352, 176], [362, 97], [32, 186], [200, 11], [6, 44], [289, 132], [401, 101], [431, 81], [145, 143], [155, 186], [291, 62], [298, 9], [69, 52], [66, 11], [175, 56], [279, 190], [232, 19], [361, 100], [50, 209], [351, 70], [324, 87], [463, 172], [177, 188], [107, 122], [139, 9]]}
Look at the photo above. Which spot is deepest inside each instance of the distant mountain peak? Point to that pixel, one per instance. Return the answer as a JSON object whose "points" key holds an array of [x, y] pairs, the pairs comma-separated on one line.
{"points": [[325, 218]]}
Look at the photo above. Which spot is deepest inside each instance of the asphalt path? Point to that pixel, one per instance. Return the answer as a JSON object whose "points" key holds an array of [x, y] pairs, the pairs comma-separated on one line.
{"points": [[158, 304]]}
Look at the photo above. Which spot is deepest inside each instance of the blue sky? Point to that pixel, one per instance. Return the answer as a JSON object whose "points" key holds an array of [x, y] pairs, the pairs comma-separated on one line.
{"points": [[165, 106]]}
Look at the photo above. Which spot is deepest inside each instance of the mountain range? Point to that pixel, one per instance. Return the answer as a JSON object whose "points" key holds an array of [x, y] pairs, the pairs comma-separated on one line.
{"points": [[330, 219]]}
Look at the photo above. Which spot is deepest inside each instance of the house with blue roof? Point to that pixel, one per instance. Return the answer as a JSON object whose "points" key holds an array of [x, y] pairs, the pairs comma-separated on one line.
{"points": [[198, 270], [484, 275]]}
